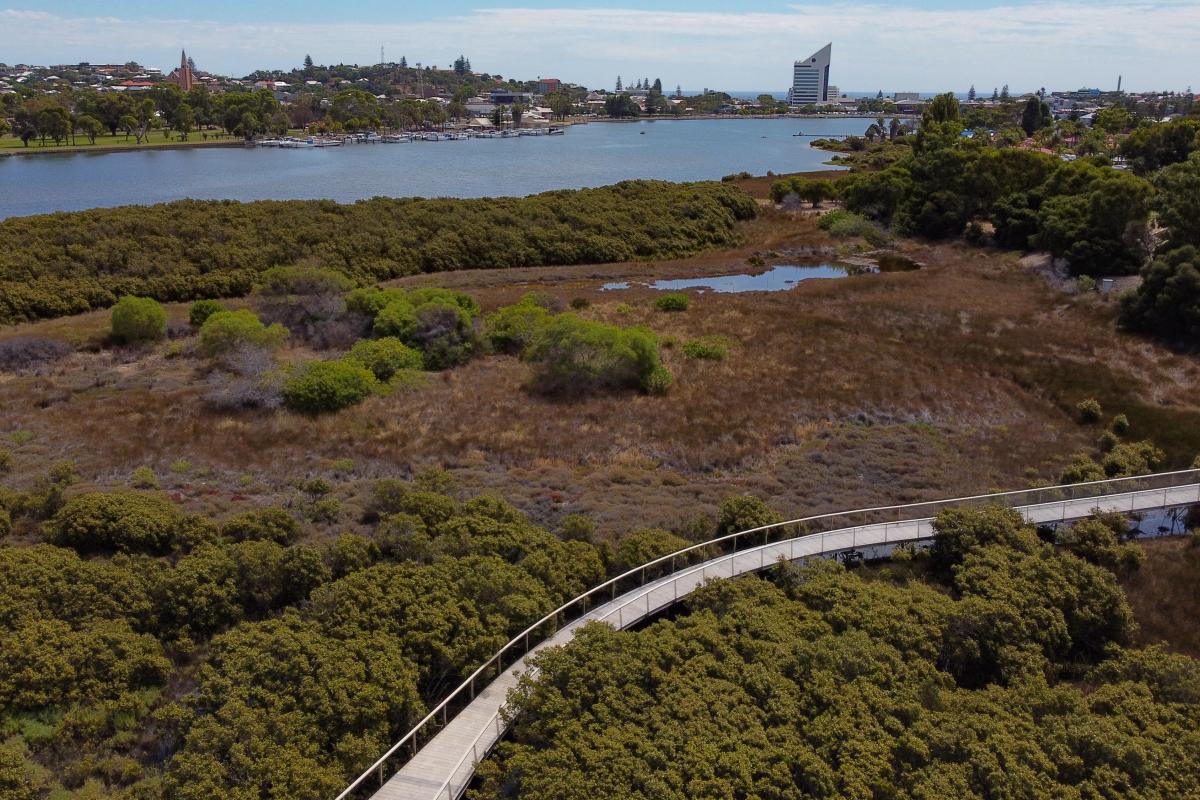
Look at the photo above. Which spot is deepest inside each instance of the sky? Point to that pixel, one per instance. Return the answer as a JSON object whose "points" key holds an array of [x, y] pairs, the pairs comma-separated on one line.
{"points": [[734, 46]]}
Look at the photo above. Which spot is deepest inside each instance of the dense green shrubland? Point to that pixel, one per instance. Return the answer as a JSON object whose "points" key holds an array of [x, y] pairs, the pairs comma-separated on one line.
{"points": [[247, 661], [1003, 673], [67, 263]]}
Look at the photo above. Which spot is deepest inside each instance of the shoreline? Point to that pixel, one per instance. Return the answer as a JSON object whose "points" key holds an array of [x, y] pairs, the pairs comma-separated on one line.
{"points": [[76, 149]]}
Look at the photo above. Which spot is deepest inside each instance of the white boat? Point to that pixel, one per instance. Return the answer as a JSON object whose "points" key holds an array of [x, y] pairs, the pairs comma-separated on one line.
{"points": [[269, 143], [396, 138], [509, 134], [556, 132]]}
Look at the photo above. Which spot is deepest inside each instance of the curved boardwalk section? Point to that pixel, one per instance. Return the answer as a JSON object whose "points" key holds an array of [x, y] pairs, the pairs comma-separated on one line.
{"points": [[443, 767]]}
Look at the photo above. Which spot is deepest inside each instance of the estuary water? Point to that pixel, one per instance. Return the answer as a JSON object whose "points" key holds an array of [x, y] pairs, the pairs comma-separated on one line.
{"points": [[596, 154]]}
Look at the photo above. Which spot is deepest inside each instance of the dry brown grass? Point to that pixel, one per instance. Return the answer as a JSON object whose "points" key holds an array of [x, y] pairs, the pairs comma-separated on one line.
{"points": [[1165, 594], [865, 390]]}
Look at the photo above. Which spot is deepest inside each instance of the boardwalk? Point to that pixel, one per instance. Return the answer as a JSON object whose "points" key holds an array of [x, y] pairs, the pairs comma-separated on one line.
{"points": [[443, 767]]}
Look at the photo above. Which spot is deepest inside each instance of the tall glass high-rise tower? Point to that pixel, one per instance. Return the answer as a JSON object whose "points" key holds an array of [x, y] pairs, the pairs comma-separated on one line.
{"points": [[810, 78]]}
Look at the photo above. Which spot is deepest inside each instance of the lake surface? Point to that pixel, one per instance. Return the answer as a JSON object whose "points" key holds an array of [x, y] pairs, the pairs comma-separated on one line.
{"points": [[588, 155], [776, 279]]}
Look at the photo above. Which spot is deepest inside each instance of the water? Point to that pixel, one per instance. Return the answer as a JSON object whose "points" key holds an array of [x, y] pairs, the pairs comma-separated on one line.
{"points": [[588, 155], [776, 279]]}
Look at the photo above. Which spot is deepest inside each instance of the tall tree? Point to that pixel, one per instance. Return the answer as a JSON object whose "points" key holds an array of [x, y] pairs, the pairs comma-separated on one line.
{"points": [[619, 86], [308, 63], [1004, 93], [971, 93]]}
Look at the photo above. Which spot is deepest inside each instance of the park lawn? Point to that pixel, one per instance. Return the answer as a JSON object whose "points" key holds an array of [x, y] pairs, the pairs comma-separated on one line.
{"points": [[11, 144]]}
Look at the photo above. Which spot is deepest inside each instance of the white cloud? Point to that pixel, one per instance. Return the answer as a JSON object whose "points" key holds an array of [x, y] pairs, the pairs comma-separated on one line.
{"points": [[1059, 43]]}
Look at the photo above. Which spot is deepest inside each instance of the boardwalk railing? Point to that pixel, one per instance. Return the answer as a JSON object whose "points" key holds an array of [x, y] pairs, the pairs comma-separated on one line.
{"points": [[821, 534]]}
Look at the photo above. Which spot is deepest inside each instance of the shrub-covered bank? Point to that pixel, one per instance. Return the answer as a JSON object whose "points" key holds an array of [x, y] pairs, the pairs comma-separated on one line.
{"points": [[994, 666], [60, 264]]}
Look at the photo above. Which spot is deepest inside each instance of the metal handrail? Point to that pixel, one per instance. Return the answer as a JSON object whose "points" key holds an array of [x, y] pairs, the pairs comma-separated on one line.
{"points": [[524, 636]]}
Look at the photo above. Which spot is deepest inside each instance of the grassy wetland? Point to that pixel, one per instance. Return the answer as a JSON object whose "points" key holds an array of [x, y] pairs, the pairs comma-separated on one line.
{"points": [[226, 522]]}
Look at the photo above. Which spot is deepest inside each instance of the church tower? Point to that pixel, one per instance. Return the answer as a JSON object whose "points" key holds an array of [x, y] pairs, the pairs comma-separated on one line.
{"points": [[182, 76]]}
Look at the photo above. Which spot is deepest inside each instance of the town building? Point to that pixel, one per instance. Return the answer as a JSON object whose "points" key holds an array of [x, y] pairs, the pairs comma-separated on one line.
{"points": [[810, 78], [547, 85], [182, 75]]}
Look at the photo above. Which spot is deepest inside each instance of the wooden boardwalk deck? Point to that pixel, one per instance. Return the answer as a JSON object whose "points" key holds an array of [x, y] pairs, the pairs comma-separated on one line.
{"points": [[444, 766]]}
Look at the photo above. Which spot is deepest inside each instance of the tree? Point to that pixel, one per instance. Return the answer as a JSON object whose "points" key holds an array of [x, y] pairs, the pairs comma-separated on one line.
{"points": [[621, 105], [184, 121], [1004, 93], [461, 66], [619, 86], [1156, 146], [1167, 302], [403, 62], [1178, 202], [517, 111], [1103, 228], [971, 94], [308, 63], [657, 87], [1035, 115], [995, 94], [89, 126], [943, 108]]}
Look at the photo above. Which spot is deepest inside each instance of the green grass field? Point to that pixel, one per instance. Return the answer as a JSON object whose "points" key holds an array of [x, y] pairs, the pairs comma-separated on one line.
{"points": [[11, 144]]}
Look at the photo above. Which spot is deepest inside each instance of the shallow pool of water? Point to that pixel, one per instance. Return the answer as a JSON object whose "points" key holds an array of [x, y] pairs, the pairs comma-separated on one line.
{"points": [[776, 279]]}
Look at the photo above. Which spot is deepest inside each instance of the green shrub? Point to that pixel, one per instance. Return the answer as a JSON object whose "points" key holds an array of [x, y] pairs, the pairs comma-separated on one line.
{"points": [[302, 280], [138, 319], [580, 303], [1132, 458], [711, 348], [673, 302], [642, 546], [1119, 425], [385, 357], [658, 381], [271, 524], [5, 460], [512, 328], [143, 478], [226, 331], [1089, 411], [397, 319], [202, 310], [320, 387], [5, 522], [127, 521], [578, 528], [370, 301], [576, 356], [1082, 469], [743, 512]]}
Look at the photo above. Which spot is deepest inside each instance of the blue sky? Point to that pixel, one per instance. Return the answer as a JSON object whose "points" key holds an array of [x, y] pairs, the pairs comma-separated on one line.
{"points": [[908, 46]]}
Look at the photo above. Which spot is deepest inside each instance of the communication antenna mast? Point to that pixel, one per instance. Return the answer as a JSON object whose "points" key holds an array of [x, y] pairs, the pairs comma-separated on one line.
{"points": [[381, 61], [1119, 77]]}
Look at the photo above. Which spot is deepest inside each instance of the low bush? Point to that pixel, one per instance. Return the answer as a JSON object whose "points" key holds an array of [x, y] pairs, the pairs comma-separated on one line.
{"points": [[710, 348], [202, 310], [577, 356], [673, 302], [22, 353], [226, 331], [320, 387], [127, 521], [385, 357], [580, 303], [642, 546], [272, 524], [512, 328], [138, 319], [1089, 411], [1119, 425]]}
